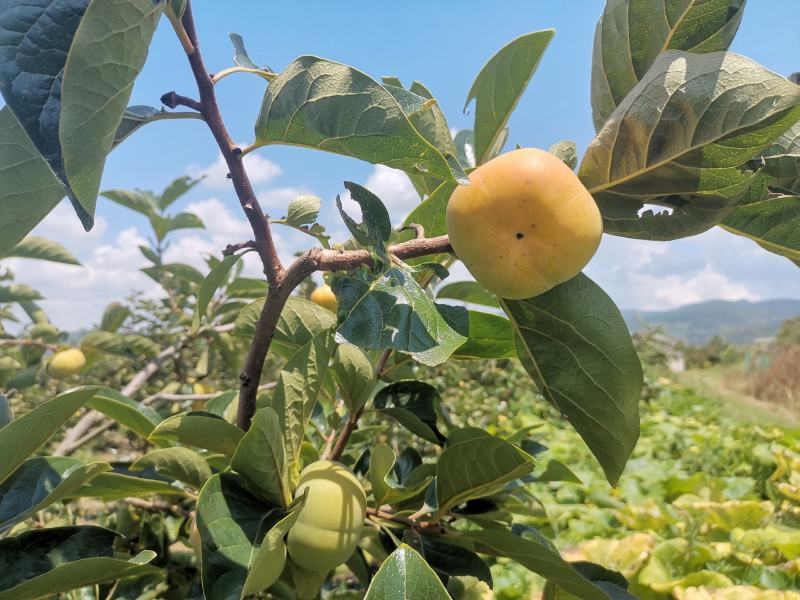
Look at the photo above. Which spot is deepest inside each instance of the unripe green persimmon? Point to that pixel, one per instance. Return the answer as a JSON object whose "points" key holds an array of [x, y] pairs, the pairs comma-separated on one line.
{"points": [[524, 224], [66, 363], [324, 296], [329, 525]]}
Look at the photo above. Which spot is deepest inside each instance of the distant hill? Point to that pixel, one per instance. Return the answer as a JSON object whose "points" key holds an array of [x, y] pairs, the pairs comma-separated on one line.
{"points": [[738, 322]]}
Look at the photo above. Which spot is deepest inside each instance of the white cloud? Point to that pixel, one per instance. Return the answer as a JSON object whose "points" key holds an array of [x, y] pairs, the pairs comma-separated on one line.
{"points": [[63, 226], [672, 291], [75, 296], [260, 170]]}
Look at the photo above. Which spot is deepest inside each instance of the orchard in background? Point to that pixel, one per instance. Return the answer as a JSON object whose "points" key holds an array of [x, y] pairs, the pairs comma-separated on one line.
{"points": [[342, 471]]}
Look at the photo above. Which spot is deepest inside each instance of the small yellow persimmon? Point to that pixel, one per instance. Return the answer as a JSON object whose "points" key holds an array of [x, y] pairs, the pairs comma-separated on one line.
{"points": [[66, 363], [329, 525], [323, 295], [524, 224]]}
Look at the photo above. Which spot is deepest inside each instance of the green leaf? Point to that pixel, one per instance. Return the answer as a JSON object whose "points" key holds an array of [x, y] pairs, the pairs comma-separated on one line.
{"points": [[242, 59], [611, 582], [6, 414], [114, 316], [677, 141], [354, 375], [431, 213], [138, 116], [385, 490], [181, 464], [413, 405], [573, 342], [406, 576], [137, 200], [43, 249], [303, 210], [376, 227], [137, 417], [394, 312], [260, 459], [40, 482], [558, 471], [127, 345], [448, 558], [200, 429], [782, 160], [468, 291], [163, 225], [213, 281], [499, 86], [538, 555], [490, 336], [75, 43], [116, 486], [28, 188], [299, 385], [182, 271], [773, 223], [322, 104], [23, 436], [567, 151], [43, 562], [631, 35], [477, 467], [177, 188], [243, 551], [18, 293]]}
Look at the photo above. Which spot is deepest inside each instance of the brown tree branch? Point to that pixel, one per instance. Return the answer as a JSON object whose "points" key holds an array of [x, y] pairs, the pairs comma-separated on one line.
{"points": [[232, 154]]}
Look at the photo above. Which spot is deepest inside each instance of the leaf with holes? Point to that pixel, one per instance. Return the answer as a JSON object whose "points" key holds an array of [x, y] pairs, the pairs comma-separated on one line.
{"points": [[679, 139]]}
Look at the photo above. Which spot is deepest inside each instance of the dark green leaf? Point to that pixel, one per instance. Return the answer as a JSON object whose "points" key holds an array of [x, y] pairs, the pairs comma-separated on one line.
{"points": [[376, 227], [406, 576], [468, 291], [573, 342], [477, 467], [611, 582], [43, 249], [59, 86], [322, 104], [23, 436], [6, 414], [42, 562], [28, 188], [245, 287], [385, 489], [116, 486], [490, 336], [632, 33], [354, 375], [242, 539], [450, 559], [500, 85], [413, 404], [394, 312], [538, 556], [260, 459], [181, 464], [557, 471], [137, 417], [773, 223], [202, 430], [39, 482]]}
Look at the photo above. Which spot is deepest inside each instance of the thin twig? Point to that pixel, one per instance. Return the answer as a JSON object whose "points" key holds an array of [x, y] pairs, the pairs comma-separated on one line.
{"points": [[232, 249], [173, 100]]}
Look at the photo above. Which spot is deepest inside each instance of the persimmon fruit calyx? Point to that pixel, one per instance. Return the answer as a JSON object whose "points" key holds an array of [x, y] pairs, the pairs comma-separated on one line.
{"points": [[524, 224]]}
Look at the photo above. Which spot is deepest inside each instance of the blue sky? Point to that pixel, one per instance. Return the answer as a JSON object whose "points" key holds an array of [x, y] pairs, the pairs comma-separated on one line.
{"points": [[442, 44]]}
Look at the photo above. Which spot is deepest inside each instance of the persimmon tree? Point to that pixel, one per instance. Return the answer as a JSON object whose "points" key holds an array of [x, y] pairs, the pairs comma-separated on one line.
{"points": [[707, 137]]}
